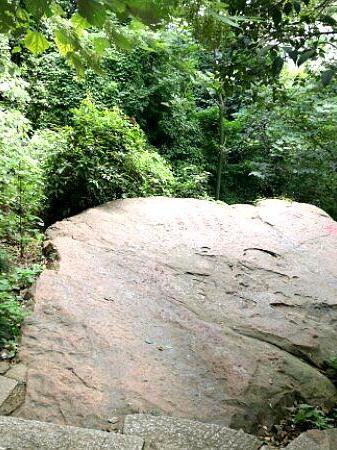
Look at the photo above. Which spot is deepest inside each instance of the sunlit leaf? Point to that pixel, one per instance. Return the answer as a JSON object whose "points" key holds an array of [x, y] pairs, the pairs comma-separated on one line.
{"points": [[35, 42], [93, 11], [100, 44], [121, 40], [79, 22], [224, 19], [55, 10]]}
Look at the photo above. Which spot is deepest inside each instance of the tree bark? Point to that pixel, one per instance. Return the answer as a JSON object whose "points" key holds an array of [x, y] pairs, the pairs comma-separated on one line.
{"points": [[222, 140]]}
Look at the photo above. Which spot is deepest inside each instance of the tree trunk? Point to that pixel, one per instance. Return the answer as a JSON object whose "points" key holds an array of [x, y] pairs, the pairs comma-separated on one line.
{"points": [[221, 157]]}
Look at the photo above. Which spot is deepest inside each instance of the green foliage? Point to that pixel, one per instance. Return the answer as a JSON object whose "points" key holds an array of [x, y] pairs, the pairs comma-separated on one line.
{"points": [[20, 180], [191, 181], [165, 85], [104, 156], [331, 369], [39, 24], [35, 42], [11, 317], [11, 311], [5, 261], [287, 152], [13, 89], [312, 417], [54, 90]]}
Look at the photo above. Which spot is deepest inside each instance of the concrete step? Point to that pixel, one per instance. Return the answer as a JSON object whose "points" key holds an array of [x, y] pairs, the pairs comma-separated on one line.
{"points": [[168, 433], [19, 434]]}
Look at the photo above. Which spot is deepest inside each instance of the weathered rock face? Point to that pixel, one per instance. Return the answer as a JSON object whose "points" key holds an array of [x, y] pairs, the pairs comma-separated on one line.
{"points": [[18, 434], [187, 308], [315, 440]]}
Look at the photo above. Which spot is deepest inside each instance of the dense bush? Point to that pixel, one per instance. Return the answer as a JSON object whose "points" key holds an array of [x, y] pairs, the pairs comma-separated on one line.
{"points": [[21, 179], [11, 314], [12, 282], [104, 156], [5, 261], [154, 83], [288, 152]]}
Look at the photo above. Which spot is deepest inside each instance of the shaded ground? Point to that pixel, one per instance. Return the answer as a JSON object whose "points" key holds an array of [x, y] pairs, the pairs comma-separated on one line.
{"points": [[185, 307]]}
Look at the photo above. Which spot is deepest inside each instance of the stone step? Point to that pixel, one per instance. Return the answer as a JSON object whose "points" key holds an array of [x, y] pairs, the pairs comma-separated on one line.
{"points": [[168, 433], [19, 434], [11, 394]]}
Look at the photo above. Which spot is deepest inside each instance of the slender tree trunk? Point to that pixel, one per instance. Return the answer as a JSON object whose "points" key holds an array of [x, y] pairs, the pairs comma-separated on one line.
{"points": [[20, 211], [222, 140]]}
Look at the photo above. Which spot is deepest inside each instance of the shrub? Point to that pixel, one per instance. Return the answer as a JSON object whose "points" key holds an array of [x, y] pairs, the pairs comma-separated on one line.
{"points": [[288, 151], [20, 180], [103, 157], [191, 181], [11, 311], [5, 261], [309, 416], [11, 317]]}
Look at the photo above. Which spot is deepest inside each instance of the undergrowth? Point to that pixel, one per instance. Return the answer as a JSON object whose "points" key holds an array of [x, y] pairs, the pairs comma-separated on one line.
{"points": [[16, 276], [303, 417]]}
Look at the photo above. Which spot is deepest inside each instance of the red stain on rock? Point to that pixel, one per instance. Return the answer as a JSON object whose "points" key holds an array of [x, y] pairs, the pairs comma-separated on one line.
{"points": [[331, 229]]}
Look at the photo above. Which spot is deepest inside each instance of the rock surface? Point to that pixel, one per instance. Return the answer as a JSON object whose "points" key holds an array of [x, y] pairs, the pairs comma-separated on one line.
{"points": [[11, 395], [315, 440], [187, 308], [17, 434], [18, 372], [181, 434], [4, 366]]}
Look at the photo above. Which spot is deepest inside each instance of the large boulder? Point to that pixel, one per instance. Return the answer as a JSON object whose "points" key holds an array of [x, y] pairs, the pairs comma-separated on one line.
{"points": [[184, 307]]}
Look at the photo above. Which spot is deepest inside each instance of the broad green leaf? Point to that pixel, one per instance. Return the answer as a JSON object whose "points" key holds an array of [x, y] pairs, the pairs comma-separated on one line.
{"points": [[297, 7], [277, 65], [22, 15], [150, 11], [66, 41], [276, 14], [79, 22], [93, 11], [37, 7], [7, 16], [224, 19], [293, 55], [307, 54], [288, 7], [119, 6], [328, 20], [35, 42], [76, 62], [100, 44], [327, 76], [55, 10], [121, 40]]}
